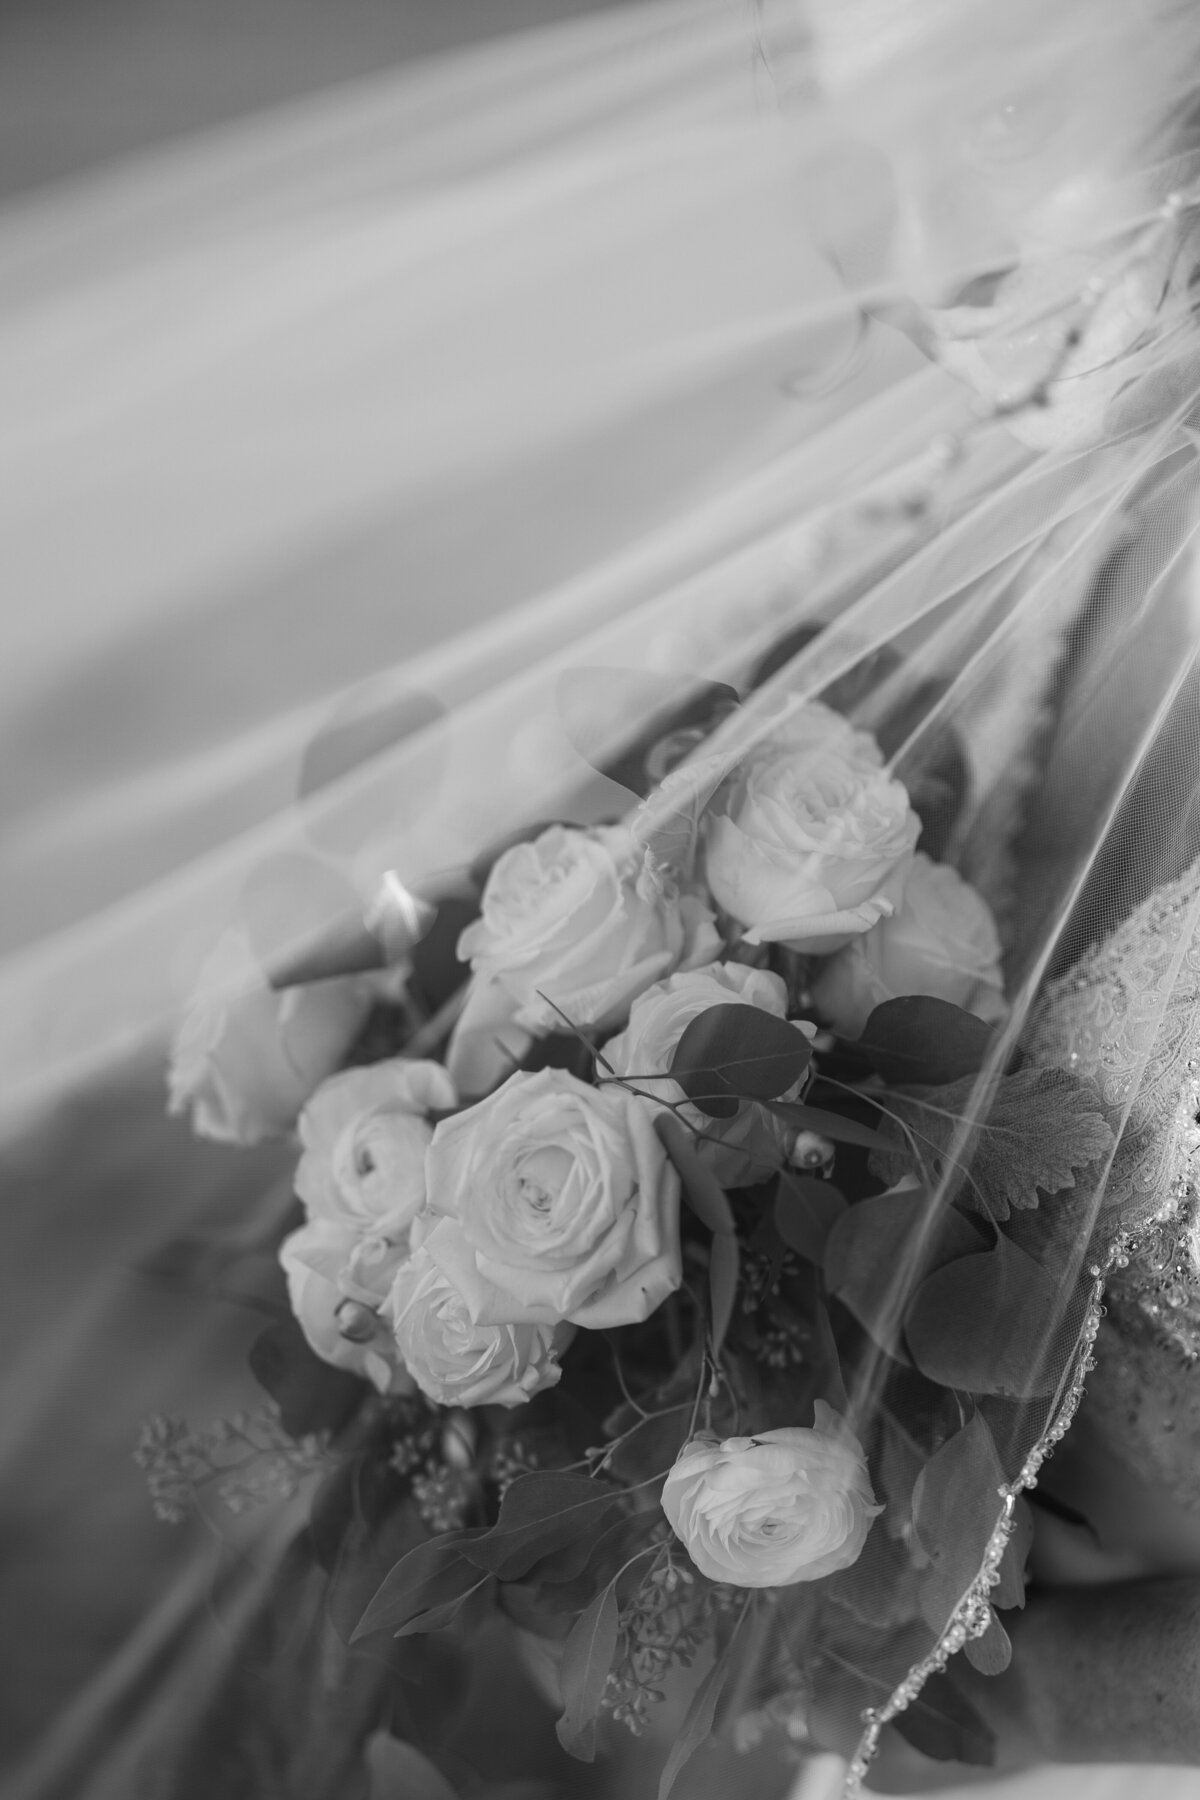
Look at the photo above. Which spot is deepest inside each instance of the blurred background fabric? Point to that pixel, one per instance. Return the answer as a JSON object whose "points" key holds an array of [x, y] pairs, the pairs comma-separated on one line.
{"points": [[299, 398], [97, 1594], [146, 150], [85, 81], [201, 566], [121, 123]]}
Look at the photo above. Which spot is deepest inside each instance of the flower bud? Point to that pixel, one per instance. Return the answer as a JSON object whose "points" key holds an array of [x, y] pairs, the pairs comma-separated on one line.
{"points": [[355, 1322], [811, 1151]]}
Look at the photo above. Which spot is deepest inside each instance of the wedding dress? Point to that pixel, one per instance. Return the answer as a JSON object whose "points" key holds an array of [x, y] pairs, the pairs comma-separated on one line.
{"points": [[339, 445]]}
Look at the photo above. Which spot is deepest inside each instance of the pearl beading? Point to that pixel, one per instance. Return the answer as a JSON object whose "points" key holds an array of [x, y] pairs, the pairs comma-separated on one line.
{"points": [[972, 1614]]}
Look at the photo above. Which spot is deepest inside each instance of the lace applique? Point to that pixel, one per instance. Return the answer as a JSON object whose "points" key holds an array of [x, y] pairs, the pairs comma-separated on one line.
{"points": [[1128, 1015]]}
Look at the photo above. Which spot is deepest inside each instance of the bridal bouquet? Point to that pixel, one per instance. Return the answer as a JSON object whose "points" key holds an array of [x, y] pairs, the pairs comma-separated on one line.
{"points": [[680, 1253]]}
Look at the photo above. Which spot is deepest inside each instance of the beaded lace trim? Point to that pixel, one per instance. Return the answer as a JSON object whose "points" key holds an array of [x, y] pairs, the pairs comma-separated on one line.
{"points": [[1128, 1016], [972, 1615]]}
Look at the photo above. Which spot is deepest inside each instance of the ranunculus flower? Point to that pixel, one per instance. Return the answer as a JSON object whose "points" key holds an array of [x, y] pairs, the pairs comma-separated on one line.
{"points": [[337, 1282], [566, 916], [458, 1362], [752, 1143], [245, 1058], [553, 1200], [766, 1511], [365, 1135], [942, 941], [809, 841]]}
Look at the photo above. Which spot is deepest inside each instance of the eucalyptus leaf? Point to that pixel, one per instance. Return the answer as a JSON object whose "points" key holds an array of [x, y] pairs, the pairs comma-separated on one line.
{"points": [[698, 1720], [876, 1245], [701, 1189], [539, 1514], [554, 1593], [806, 1211], [473, 1603], [649, 1448], [587, 1658], [956, 1505], [434, 1574], [990, 1323], [920, 1040], [706, 1092], [992, 1652], [734, 1052]]}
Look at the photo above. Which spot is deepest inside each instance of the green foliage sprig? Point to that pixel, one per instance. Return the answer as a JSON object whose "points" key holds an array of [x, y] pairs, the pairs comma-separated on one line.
{"points": [[245, 1461], [897, 1292]]}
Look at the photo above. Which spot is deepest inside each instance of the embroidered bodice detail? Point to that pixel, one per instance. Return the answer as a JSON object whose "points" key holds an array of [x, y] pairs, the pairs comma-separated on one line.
{"points": [[1128, 1016]]}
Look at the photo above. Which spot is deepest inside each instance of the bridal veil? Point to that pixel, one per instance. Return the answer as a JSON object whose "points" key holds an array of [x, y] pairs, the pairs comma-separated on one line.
{"points": [[481, 445]]}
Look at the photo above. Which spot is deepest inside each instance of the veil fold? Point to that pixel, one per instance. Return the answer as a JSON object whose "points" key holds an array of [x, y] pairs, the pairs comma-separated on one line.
{"points": [[475, 449], [364, 363]]}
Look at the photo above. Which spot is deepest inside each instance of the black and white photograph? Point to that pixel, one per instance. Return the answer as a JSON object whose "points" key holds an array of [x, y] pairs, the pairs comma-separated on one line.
{"points": [[599, 899]]}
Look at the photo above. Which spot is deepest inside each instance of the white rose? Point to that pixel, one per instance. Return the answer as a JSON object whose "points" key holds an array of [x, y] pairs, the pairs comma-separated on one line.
{"points": [[553, 1200], [365, 1135], [752, 1143], [810, 840], [337, 1282], [566, 916], [766, 1511], [246, 1058], [457, 1362], [942, 942]]}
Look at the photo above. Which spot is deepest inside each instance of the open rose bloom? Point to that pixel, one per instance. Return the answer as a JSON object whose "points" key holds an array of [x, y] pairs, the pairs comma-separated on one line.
{"points": [[627, 1196], [456, 1361], [741, 1315], [788, 1505], [361, 1179], [568, 931], [365, 1133], [809, 841], [553, 1201], [631, 1202]]}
